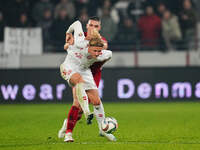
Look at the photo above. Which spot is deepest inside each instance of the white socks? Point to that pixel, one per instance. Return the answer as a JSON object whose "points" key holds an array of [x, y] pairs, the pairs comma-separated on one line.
{"points": [[82, 98], [83, 101], [99, 113]]}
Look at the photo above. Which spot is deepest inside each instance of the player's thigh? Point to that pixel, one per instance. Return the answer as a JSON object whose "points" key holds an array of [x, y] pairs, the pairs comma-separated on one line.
{"points": [[88, 80], [75, 78], [70, 73], [93, 95]]}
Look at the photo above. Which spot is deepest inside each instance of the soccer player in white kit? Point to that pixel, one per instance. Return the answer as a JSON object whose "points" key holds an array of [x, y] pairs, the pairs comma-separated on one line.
{"points": [[76, 71]]}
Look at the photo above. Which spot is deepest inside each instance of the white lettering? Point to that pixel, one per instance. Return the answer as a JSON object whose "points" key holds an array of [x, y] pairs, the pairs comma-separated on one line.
{"points": [[29, 92], [197, 90], [181, 89], [59, 91], [9, 91], [161, 88], [46, 92], [122, 83], [144, 90]]}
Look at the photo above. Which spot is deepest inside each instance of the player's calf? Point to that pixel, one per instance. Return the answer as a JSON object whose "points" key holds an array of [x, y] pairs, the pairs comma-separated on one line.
{"points": [[83, 101]]}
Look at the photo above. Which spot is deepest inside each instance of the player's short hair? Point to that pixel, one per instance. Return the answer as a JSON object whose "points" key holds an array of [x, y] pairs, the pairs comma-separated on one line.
{"points": [[95, 18], [97, 42]]}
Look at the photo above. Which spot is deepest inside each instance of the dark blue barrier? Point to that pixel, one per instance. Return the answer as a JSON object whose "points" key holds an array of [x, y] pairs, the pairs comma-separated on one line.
{"points": [[118, 84]]}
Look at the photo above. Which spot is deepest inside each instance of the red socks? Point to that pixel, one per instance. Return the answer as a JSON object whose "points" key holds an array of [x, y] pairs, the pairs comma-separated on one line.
{"points": [[80, 113], [72, 118]]}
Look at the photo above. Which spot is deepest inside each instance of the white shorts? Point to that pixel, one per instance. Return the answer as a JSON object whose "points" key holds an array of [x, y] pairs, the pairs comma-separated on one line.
{"points": [[68, 71]]}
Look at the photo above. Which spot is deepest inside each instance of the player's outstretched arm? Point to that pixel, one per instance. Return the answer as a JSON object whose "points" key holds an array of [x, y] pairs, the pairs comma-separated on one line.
{"points": [[72, 26], [79, 37]]}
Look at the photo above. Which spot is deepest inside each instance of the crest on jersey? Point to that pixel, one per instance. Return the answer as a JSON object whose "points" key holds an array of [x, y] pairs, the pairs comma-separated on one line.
{"points": [[89, 57], [80, 34]]}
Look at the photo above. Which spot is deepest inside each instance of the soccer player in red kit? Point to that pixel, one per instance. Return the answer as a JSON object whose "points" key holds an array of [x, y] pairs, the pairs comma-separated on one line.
{"points": [[75, 113]]}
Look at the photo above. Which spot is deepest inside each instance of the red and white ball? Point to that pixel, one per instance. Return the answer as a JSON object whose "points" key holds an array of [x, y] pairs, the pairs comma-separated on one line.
{"points": [[109, 125]]}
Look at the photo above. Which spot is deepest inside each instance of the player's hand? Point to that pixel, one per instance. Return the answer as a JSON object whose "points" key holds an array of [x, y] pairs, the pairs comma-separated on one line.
{"points": [[69, 40], [92, 33], [88, 37], [66, 46], [95, 34], [68, 36]]}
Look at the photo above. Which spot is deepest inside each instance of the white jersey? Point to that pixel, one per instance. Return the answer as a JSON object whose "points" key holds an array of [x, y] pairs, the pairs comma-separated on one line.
{"points": [[78, 53], [79, 57], [78, 60]]}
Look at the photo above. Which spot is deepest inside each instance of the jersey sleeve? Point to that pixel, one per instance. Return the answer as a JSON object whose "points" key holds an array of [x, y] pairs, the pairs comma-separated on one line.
{"points": [[105, 56], [79, 37]]}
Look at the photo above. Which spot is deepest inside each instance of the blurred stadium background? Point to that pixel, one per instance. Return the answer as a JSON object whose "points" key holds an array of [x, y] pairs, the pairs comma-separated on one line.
{"points": [[155, 44], [156, 58]]}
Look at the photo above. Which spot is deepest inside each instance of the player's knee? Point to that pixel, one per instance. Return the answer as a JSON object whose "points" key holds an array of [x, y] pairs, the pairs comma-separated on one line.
{"points": [[79, 81], [76, 78], [96, 102]]}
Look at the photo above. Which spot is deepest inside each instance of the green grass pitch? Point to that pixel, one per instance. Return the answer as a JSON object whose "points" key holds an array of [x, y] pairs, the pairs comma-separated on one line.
{"points": [[142, 126]]}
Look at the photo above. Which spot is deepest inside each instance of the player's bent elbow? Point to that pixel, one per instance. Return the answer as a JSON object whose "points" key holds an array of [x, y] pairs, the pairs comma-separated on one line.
{"points": [[110, 54]]}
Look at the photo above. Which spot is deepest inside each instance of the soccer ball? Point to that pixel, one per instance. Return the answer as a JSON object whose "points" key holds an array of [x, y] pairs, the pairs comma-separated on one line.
{"points": [[109, 125]]}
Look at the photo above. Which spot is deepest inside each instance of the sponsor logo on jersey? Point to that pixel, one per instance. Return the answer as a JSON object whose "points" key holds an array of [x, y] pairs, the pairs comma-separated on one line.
{"points": [[79, 55]]}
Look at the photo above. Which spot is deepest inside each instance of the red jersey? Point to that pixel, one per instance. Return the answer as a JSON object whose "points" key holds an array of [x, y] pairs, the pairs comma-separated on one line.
{"points": [[96, 68]]}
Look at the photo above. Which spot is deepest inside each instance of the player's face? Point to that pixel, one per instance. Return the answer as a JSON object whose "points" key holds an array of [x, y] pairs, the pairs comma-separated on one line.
{"points": [[95, 51], [93, 24]]}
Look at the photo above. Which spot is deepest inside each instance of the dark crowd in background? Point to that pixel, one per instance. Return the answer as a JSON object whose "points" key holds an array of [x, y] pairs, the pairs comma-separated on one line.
{"points": [[163, 25]]}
